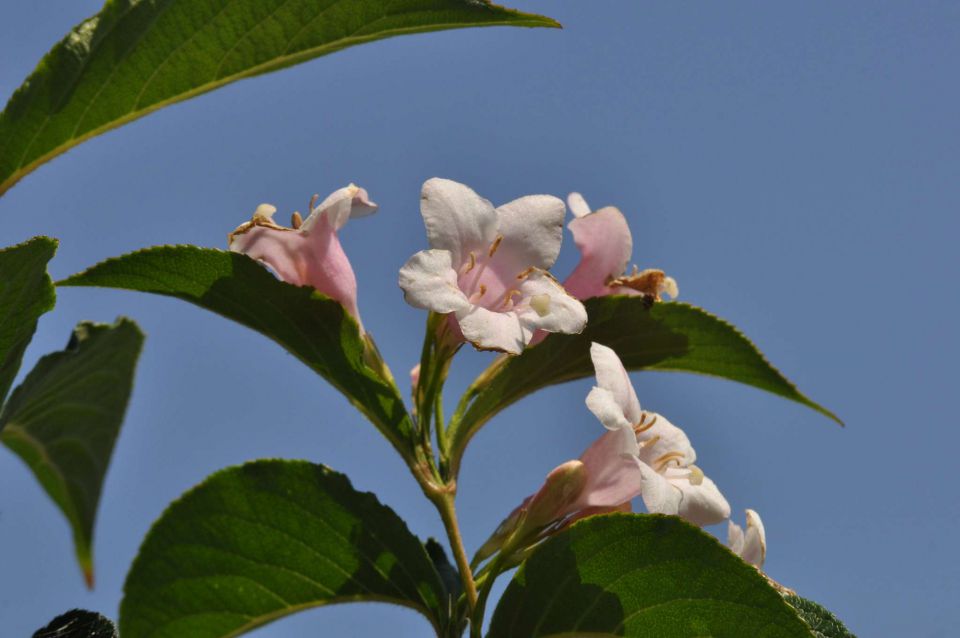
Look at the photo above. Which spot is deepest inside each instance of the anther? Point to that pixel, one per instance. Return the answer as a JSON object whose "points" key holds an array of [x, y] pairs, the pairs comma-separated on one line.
{"points": [[296, 221], [643, 427], [525, 273], [495, 245], [473, 262]]}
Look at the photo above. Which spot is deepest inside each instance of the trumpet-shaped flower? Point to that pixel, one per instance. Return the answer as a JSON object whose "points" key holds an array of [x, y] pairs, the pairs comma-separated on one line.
{"points": [[488, 267], [663, 459], [750, 545], [641, 454], [309, 253], [606, 244]]}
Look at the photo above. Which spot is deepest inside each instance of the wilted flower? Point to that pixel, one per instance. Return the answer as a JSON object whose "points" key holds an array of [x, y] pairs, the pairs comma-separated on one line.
{"points": [[750, 545], [488, 267], [309, 253], [605, 244]]}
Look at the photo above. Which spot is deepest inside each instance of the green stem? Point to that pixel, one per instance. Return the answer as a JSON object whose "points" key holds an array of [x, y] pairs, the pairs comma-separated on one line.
{"points": [[448, 514]]}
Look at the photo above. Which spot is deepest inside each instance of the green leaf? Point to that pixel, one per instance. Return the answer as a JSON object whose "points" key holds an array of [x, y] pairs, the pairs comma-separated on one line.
{"points": [[640, 575], [137, 56], [78, 623], [664, 336], [310, 326], [26, 292], [823, 623], [254, 543], [64, 419]]}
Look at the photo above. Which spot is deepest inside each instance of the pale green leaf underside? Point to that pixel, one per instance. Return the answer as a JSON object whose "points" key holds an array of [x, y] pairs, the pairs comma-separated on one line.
{"points": [[822, 623], [665, 336], [643, 576], [26, 292], [63, 420], [137, 56], [310, 326], [254, 543]]}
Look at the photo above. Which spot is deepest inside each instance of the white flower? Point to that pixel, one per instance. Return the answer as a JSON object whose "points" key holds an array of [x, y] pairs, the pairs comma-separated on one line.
{"points": [[750, 545], [488, 266], [667, 479]]}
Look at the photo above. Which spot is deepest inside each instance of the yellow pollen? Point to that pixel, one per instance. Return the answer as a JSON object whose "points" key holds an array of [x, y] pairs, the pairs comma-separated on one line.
{"points": [[296, 221], [525, 273], [483, 290], [495, 245]]}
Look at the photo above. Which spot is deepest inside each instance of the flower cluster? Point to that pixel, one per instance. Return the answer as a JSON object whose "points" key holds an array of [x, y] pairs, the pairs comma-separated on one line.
{"points": [[488, 270]]}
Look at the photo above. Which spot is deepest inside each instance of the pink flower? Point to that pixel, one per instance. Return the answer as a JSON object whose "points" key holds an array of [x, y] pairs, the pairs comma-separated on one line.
{"points": [[487, 267], [605, 244], [309, 254], [642, 454]]}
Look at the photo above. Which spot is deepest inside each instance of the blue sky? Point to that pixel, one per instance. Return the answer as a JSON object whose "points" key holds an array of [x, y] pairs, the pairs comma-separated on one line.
{"points": [[795, 168]]}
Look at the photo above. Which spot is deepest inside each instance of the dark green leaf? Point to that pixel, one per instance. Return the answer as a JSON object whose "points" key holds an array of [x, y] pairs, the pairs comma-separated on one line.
{"points": [[640, 575], [254, 543], [310, 326], [78, 624], [664, 336], [137, 56], [26, 292], [823, 623], [64, 419]]}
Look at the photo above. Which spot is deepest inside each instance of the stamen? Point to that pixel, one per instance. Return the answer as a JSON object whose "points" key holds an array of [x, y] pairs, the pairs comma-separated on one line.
{"points": [[649, 442], [495, 245], [296, 221], [473, 262], [526, 273], [508, 296], [483, 291], [641, 426], [666, 459], [313, 201]]}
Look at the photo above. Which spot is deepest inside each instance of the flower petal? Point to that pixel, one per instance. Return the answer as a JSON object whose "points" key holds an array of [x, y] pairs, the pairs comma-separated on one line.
{"points": [[429, 281], [313, 258], [546, 306], [659, 496], [613, 475], [489, 330], [532, 230], [340, 206], [701, 502], [612, 376], [578, 205], [754, 550], [605, 246], [457, 219], [663, 444], [605, 407]]}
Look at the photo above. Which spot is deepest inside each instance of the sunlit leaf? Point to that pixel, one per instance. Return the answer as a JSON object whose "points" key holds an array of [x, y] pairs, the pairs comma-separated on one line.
{"points": [[63, 421], [252, 544], [663, 336], [643, 576], [137, 56], [310, 326]]}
